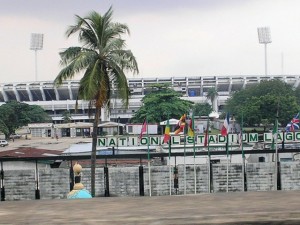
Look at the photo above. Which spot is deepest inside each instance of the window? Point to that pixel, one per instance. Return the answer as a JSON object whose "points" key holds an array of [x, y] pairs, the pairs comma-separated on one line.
{"points": [[215, 161], [129, 129], [286, 159], [261, 159]]}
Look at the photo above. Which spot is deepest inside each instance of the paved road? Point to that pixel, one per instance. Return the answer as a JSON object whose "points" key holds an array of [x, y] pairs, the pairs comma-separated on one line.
{"points": [[276, 207]]}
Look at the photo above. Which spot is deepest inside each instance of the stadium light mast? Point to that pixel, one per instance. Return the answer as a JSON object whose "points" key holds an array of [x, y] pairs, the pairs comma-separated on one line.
{"points": [[36, 43], [264, 37]]}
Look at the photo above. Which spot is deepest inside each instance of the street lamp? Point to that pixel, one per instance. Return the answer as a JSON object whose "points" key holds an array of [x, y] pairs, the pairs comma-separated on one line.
{"points": [[264, 37], [36, 43]]}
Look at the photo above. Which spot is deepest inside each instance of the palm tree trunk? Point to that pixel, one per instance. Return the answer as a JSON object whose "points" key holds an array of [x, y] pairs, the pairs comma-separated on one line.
{"points": [[93, 154]]}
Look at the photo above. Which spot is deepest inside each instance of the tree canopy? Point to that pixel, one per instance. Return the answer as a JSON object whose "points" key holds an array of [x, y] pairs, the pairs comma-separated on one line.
{"points": [[260, 103], [202, 109], [14, 115], [66, 116], [161, 103]]}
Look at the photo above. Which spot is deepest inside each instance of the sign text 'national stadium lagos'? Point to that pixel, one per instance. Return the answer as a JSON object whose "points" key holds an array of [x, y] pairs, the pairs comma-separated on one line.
{"points": [[155, 140]]}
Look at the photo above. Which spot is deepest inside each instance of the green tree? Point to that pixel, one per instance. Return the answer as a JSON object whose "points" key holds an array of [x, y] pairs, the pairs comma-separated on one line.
{"points": [[14, 115], [212, 94], [66, 116], [260, 103], [202, 109], [297, 94], [266, 123], [103, 61], [161, 103], [37, 114]]}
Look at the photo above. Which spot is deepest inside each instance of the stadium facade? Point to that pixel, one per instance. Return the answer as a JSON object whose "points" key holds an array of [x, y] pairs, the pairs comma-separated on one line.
{"points": [[56, 100]]}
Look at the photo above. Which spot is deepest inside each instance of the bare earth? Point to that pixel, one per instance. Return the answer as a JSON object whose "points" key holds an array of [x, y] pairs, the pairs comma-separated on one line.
{"points": [[45, 143], [275, 207]]}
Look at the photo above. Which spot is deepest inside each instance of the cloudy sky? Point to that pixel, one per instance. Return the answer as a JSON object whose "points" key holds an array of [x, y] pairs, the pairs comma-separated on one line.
{"points": [[168, 37]]}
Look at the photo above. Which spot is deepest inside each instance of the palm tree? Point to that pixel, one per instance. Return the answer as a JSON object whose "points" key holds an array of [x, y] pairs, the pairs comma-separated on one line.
{"points": [[212, 94], [66, 116], [103, 61]]}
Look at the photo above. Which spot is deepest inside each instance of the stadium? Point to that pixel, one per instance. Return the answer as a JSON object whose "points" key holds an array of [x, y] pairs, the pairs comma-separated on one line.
{"points": [[55, 100]]}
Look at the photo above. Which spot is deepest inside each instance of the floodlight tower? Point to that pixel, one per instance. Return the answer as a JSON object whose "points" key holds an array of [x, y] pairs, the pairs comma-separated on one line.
{"points": [[264, 37], [36, 43]]}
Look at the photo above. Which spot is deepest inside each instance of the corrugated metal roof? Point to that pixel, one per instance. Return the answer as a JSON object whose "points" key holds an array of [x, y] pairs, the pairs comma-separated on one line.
{"points": [[29, 152]]}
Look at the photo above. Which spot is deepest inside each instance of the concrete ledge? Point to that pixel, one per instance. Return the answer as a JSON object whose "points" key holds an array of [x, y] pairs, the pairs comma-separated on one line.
{"points": [[275, 207]]}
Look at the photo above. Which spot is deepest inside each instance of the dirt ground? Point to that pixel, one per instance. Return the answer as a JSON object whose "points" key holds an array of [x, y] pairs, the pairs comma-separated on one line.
{"points": [[273, 207], [44, 143]]}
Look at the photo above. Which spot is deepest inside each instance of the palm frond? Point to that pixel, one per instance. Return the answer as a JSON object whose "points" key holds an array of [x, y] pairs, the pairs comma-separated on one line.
{"points": [[74, 64], [75, 28], [69, 54], [125, 59], [102, 57], [120, 82], [115, 30], [114, 44]]}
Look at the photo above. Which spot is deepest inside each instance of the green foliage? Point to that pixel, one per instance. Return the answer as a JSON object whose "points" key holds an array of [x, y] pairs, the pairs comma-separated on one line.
{"points": [[37, 114], [161, 103], [260, 103], [212, 93], [265, 123], [222, 115], [67, 117], [4, 129], [14, 115], [202, 109], [297, 94], [102, 59]]}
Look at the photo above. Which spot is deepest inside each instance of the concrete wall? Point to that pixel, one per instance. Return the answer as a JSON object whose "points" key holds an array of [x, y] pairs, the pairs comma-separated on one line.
{"points": [[19, 184], [124, 181], [22, 165], [235, 177], [99, 180], [53, 183], [290, 176], [260, 176]]}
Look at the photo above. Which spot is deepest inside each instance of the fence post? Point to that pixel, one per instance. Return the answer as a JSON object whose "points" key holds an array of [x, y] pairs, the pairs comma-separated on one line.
{"points": [[211, 180], [2, 183], [106, 179], [106, 182], [278, 176], [245, 174], [71, 172], [176, 186], [141, 180], [37, 190]]}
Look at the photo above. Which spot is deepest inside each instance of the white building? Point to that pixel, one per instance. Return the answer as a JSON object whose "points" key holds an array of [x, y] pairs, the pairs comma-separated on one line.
{"points": [[137, 127]]}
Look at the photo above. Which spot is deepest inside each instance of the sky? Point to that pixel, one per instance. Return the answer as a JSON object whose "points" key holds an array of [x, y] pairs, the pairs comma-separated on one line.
{"points": [[168, 37]]}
